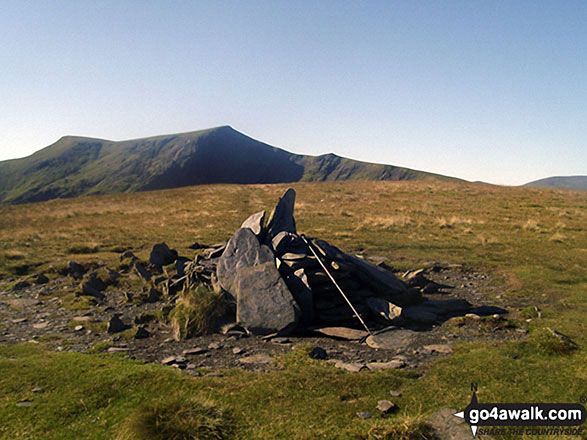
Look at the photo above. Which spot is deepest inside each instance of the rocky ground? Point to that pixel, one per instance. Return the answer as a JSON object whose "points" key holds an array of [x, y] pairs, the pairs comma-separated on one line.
{"points": [[41, 314]]}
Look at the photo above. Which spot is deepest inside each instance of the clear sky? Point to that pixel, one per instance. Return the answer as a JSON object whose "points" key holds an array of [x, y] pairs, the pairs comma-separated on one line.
{"points": [[482, 90]]}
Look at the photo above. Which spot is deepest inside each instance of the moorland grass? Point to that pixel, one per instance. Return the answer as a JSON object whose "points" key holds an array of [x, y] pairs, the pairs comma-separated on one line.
{"points": [[531, 242]]}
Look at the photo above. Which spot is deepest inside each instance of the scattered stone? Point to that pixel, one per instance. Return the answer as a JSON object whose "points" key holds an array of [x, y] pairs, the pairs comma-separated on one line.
{"points": [[472, 316], [82, 318], [19, 320], [353, 367], [142, 272], [88, 289], [386, 406], [438, 348], [318, 353], [193, 351], [117, 349], [280, 340], [364, 415], [41, 279], [392, 364], [215, 346], [161, 255], [37, 390], [168, 360], [394, 393], [115, 325], [237, 350], [24, 403], [255, 223], [349, 334], [256, 359], [142, 332], [20, 285], [76, 270], [78, 328], [40, 325]]}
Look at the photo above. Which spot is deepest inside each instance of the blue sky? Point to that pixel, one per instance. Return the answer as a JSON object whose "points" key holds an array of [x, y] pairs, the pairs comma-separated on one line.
{"points": [[483, 90]]}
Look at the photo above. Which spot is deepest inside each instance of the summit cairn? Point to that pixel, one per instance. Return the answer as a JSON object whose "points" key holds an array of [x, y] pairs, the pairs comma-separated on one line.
{"points": [[277, 284]]}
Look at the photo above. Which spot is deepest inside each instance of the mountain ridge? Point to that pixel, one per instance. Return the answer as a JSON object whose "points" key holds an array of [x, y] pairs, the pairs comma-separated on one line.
{"points": [[76, 165], [575, 183]]}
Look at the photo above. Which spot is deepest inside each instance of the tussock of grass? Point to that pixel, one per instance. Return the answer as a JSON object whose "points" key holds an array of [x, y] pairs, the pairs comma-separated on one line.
{"points": [[177, 417], [552, 342], [403, 428], [87, 248], [196, 313]]}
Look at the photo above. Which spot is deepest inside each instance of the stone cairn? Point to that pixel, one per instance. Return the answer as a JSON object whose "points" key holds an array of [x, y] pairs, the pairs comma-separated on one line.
{"points": [[276, 284]]}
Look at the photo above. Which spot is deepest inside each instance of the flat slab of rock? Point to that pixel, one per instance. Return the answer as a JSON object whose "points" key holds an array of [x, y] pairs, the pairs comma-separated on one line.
{"points": [[264, 304], [438, 348], [255, 222], [243, 251], [352, 367], [392, 364], [392, 339], [256, 359], [350, 334]]}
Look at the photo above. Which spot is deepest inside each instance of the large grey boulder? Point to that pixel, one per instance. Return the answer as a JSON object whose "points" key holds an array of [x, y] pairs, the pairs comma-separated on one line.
{"points": [[264, 303], [243, 250], [282, 218], [255, 223]]}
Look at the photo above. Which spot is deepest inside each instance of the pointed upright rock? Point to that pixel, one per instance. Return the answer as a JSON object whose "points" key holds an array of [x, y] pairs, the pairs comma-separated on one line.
{"points": [[282, 218]]}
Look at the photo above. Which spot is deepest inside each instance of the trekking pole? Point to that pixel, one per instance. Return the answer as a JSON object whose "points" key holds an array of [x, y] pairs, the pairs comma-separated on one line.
{"points": [[335, 283]]}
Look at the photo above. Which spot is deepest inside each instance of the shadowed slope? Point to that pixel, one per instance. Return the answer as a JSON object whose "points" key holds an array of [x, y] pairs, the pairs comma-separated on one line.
{"points": [[561, 182], [75, 166]]}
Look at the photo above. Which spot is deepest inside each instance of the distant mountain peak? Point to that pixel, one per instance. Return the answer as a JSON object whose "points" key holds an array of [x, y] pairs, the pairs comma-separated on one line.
{"points": [[75, 165]]}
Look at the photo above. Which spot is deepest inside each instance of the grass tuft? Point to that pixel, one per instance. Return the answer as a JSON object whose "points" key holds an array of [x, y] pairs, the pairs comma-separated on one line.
{"points": [[196, 313], [177, 417], [552, 342], [406, 428]]}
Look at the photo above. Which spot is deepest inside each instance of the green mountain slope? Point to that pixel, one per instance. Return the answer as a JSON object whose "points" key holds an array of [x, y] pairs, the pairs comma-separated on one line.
{"points": [[561, 182], [75, 166]]}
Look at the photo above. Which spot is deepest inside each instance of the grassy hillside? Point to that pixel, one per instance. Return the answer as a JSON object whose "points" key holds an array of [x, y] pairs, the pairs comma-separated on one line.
{"points": [[531, 242], [575, 183], [75, 166]]}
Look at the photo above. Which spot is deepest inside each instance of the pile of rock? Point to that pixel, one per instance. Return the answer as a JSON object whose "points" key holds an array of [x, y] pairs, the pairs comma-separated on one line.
{"points": [[277, 282]]}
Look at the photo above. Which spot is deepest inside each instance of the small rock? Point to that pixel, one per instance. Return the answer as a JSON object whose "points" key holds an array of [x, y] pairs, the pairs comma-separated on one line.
{"points": [[168, 360], [439, 348], [237, 350], [364, 415], [386, 406], [41, 279], [24, 403], [215, 346], [193, 351], [117, 349], [19, 320], [256, 359], [115, 325], [40, 325], [394, 393], [318, 353], [472, 316], [392, 364], [38, 390], [352, 367], [142, 332], [161, 255], [78, 328], [281, 340]]}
